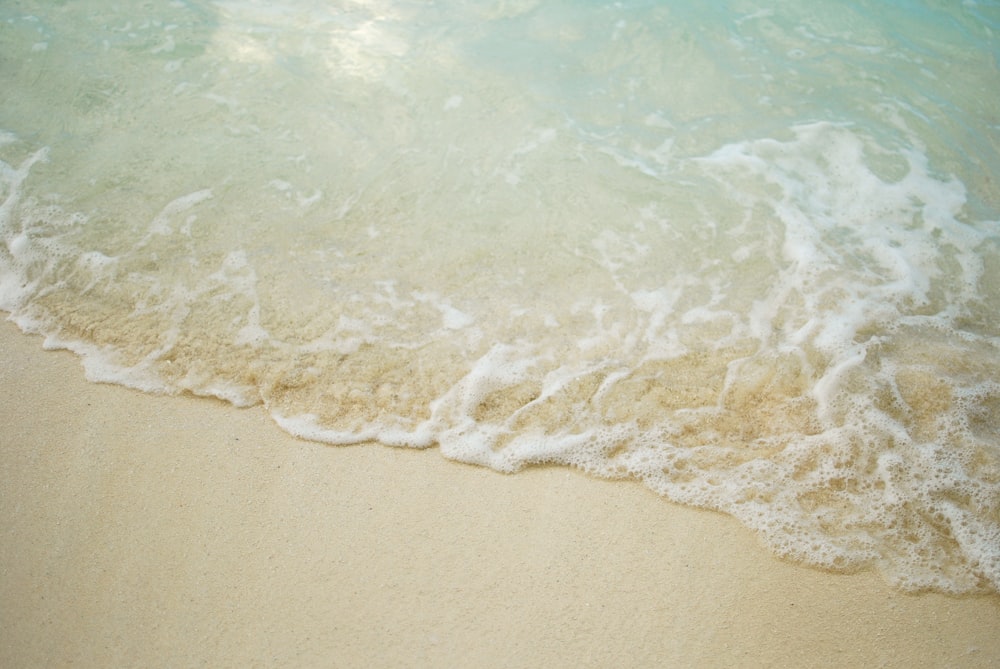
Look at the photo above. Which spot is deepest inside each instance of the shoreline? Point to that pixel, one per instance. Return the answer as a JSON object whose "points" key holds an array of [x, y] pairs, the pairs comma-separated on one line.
{"points": [[145, 530]]}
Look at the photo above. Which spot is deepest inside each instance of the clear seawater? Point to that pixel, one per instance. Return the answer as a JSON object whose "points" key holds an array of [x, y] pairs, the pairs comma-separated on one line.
{"points": [[746, 252]]}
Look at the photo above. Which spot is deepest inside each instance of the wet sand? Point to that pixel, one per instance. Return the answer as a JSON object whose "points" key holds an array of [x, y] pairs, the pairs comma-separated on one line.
{"points": [[173, 531]]}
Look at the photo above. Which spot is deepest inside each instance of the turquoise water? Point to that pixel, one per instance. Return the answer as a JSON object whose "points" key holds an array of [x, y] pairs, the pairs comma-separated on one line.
{"points": [[747, 253]]}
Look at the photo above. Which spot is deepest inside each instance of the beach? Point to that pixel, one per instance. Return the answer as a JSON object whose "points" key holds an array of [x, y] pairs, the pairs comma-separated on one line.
{"points": [[138, 530], [504, 334]]}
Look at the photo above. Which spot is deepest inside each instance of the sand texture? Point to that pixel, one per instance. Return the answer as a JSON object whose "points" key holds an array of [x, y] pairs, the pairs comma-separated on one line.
{"points": [[173, 531]]}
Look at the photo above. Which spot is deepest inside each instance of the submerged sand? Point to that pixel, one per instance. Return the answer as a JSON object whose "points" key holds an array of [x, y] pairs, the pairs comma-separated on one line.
{"points": [[173, 531]]}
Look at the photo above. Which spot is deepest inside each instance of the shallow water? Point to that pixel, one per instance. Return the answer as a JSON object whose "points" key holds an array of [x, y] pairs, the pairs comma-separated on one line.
{"points": [[747, 253]]}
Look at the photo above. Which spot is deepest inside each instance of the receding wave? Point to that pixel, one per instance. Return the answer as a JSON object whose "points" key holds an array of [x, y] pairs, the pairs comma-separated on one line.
{"points": [[633, 239]]}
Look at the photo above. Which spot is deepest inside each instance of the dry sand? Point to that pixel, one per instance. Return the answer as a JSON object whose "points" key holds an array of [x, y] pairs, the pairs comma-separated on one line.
{"points": [[159, 531]]}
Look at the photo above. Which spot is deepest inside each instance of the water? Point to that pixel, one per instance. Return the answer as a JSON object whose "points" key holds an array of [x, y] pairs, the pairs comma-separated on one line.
{"points": [[745, 252]]}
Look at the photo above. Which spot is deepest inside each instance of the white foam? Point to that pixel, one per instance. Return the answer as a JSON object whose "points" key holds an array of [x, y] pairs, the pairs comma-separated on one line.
{"points": [[511, 248], [164, 221], [306, 426], [451, 318]]}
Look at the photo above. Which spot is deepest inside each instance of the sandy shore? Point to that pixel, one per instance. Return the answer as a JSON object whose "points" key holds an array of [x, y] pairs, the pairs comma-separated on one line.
{"points": [[156, 531]]}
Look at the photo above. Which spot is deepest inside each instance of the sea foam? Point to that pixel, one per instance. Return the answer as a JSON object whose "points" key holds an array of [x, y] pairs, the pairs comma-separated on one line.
{"points": [[742, 258]]}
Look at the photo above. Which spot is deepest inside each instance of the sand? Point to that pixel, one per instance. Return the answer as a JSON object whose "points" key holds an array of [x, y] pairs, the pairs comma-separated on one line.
{"points": [[174, 531]]}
